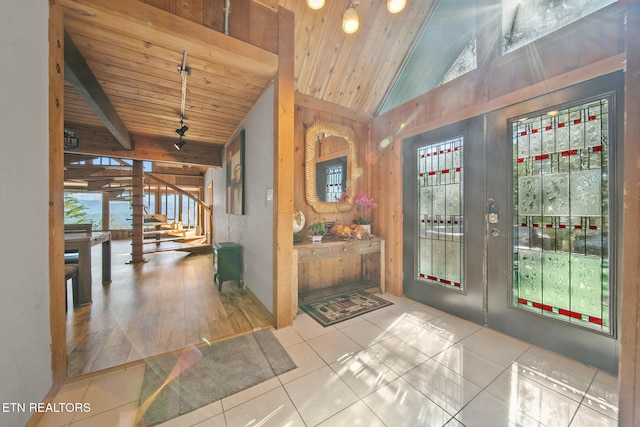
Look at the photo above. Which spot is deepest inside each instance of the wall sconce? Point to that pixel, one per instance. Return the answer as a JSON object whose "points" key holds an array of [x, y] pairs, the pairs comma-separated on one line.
{"points": [[315, 4], [350, 20], [395, 6]]}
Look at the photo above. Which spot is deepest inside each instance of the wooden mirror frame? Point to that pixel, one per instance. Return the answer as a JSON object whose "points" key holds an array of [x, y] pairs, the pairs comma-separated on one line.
{"points": [[316, 131]]}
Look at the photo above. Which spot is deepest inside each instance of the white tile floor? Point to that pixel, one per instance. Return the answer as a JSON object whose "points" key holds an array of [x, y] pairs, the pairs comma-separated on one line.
{"points": [[403, 365]]}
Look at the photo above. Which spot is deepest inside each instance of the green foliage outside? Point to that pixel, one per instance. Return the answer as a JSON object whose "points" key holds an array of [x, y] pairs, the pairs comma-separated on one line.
{"points": [[76, 213]]}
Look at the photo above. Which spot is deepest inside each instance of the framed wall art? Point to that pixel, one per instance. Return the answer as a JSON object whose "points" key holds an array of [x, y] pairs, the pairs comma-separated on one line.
{"points": [[234, 162]]}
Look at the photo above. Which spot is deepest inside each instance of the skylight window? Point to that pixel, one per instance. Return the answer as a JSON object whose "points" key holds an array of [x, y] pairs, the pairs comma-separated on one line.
{"points": [[524, 21], [444, 51]]}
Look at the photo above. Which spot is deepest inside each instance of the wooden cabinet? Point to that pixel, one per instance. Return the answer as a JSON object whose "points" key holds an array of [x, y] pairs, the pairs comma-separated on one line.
{"points": [[227, 263]]}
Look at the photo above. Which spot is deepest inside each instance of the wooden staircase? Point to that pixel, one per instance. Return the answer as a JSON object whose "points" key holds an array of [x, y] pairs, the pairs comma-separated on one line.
{"points": [[160, 235]]}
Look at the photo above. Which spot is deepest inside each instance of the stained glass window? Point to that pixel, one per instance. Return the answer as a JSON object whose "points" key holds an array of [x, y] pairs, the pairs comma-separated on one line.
{"points": [[334, 185], [561, 214], [440, 214]]}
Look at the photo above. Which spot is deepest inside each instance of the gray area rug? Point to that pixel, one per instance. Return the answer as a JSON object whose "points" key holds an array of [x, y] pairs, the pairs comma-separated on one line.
{"points": [[177, 384]]}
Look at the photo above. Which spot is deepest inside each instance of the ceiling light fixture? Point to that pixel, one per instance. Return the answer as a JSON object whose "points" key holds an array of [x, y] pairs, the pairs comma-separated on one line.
{"points": [[183, 128], [315, 4], [184, 73], [179, 144], [395, 6], [350, 20]]}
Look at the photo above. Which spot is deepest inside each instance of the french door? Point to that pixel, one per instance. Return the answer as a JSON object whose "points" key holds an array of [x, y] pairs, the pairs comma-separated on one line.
{"points": [[510, 218]]}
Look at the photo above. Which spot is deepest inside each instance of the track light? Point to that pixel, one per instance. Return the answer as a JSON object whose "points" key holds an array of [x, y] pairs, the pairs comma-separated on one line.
{"points": [[350, 20], [180, 143], [182, 130]]}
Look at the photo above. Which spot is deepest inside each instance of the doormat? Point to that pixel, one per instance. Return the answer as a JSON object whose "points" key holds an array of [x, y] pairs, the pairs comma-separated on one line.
{"points": [[339, 308], [177, 384]]}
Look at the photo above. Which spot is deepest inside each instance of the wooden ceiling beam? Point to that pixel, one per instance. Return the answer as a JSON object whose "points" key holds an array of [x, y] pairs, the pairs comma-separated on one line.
{"points": [[78, 73], [98, 142], [97, 185]]}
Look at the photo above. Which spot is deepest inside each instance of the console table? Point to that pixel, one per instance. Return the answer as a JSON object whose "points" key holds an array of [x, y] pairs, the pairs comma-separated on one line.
{"points": [[307, 252]]}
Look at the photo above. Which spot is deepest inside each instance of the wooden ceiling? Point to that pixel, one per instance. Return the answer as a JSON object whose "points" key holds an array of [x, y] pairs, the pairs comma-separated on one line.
{"points": [[354, 71], [123, 73]]}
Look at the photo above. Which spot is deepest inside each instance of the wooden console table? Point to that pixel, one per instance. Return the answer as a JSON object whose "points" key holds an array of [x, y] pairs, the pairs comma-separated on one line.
{"points": [[308, 252]]}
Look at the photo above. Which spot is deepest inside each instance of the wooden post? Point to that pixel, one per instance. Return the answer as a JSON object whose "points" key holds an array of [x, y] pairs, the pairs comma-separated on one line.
{"points": [[105, 211], [283, 173], [628, 374], [56, 196], [138, 204]]}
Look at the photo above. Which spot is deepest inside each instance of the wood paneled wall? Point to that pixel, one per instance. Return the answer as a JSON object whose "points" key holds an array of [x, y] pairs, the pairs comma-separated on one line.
{"points": [[260, 29], [304, 117], [330, 272], [582, 51]]}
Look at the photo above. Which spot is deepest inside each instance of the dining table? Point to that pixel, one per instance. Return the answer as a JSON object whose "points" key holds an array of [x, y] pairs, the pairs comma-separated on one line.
{"points": [[82, 242]]}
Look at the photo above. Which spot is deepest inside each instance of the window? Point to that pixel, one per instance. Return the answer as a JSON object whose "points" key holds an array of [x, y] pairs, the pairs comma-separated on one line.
{"points": [[561, 219], [445, 50], [440, 214], [524, 21]]}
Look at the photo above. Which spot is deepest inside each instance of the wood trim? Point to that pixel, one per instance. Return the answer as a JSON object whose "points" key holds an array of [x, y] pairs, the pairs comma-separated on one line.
{"points": [[56, 196], [316, 104], [628, 373], [283, 173]]}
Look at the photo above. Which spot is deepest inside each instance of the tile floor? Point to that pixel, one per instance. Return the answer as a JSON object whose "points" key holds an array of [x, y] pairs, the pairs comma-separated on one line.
{"points": [[403, 365]]}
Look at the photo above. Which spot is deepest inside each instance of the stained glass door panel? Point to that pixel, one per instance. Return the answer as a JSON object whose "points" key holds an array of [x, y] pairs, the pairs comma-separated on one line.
{"points": [[440, 214], [561, 215]]}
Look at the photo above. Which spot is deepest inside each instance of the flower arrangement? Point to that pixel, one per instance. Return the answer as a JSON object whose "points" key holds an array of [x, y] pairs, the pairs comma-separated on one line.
{"points": [[365, 203], [349, 231]]}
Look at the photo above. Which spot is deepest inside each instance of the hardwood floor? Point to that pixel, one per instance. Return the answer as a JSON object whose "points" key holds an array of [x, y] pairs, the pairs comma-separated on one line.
{"points": [[155, 307]]}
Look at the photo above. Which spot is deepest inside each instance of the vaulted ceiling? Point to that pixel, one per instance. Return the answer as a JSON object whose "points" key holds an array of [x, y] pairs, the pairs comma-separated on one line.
{"points": [[122, 58]]}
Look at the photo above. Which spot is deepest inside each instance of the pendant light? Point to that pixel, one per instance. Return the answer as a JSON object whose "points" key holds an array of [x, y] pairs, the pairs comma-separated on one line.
{"points": [[315, 4], [395, 6], [350, 20]]}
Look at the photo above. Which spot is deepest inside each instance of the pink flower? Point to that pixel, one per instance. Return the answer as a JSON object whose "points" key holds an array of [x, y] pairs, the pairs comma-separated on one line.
{"points": [[365, 203]]}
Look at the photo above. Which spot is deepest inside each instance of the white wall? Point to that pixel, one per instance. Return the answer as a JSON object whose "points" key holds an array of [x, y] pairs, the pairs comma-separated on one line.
{"points": [[25, 356], [254, 230]]}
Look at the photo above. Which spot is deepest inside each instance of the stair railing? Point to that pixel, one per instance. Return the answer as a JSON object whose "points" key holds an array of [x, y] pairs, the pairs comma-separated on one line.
{"points": [[202, 212]]}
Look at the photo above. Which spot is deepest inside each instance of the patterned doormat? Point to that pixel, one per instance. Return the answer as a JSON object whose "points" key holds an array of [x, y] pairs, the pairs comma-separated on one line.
{"points": [[338, 308]]}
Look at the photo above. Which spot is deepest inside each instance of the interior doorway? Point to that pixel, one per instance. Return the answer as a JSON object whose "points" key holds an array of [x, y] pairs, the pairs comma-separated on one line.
{"points": [[509, 220]]}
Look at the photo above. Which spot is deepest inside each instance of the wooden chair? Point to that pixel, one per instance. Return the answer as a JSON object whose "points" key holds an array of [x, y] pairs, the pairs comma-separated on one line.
{"points": [[71, 272]]}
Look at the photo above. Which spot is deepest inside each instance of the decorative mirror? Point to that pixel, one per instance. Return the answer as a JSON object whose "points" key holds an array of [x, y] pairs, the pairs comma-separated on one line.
{"points": [[330, 167]]}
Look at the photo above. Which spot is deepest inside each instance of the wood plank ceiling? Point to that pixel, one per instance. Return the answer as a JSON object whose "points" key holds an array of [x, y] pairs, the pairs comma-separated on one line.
{"points": [[354, 71], [133, 50]]}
